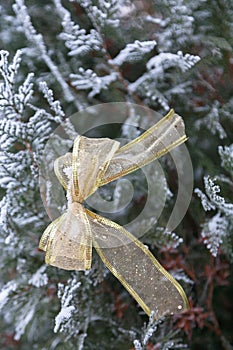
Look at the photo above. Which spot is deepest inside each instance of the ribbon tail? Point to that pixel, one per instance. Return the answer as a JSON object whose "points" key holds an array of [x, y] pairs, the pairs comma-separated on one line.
{"points": [[160, 139], [136, 268]]}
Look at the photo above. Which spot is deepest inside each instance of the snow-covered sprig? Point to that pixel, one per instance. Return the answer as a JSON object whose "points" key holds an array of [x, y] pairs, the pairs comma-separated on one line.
{"points": [[213, 232], [77, 40], [226, 154], [12, 168], [178, 26], [89, 80], [65, 293], [14, 215], [171, 239], [205, 201], [5, 292], [39, 278], [11, 132], [36, 39], [104, 13], [8, 72], [24, 129], [146, 87], [157, 67], [25, 317], [30, 136], [180, 275], [133, 52], [54, 105], [212, 121], [165, 60], [212, 200], [80, 303], [24, 308], [213, 190], [13, 100], [218, 229], [24, 123], [150, 329], [163, 238]]}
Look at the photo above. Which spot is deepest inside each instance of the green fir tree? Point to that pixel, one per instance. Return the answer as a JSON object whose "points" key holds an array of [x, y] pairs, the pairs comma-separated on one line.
{"points": [[59, 57]]}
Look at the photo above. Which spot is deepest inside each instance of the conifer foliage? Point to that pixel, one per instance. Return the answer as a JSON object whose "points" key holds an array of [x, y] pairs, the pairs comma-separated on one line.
{"points": [[59, 57]]}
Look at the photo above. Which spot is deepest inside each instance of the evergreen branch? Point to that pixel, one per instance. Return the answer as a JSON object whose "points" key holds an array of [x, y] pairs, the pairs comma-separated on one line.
{"points": [[37, 40]]}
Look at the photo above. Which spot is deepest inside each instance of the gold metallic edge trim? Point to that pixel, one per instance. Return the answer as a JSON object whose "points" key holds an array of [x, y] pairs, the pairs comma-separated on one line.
{"points": [[89, 240], [51, 236], [47, 232], [75, 156]]}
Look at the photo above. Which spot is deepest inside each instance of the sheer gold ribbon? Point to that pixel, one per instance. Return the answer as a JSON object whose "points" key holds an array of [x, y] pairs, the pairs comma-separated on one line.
{"points": [[68, 239]]}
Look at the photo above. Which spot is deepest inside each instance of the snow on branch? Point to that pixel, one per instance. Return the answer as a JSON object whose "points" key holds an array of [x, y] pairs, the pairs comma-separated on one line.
{"points": [[218, 201], [24, 318], [213, 233], [102, 12], [37, 40], [89, 80], [65, 293], [157, 67], [39, 278], [226, 154], [148, 332], [205, 201], [133, 52], [10, 132], [5, 292], [77, 40], [178, 26], [9, 71], [170, 239], [165, 60], [3, 214], [212, 121], [12, 167], [13, 102], [145, 86], [54, 105], [213, 200], [24, 129], [217, 229]]}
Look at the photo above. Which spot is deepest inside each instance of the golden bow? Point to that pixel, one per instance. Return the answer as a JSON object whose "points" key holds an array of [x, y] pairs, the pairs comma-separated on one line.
{"points": [[68, 240]]}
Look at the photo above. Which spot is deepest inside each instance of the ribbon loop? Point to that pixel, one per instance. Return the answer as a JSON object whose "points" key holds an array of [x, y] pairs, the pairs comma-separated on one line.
{"points": [[90, 160]]}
